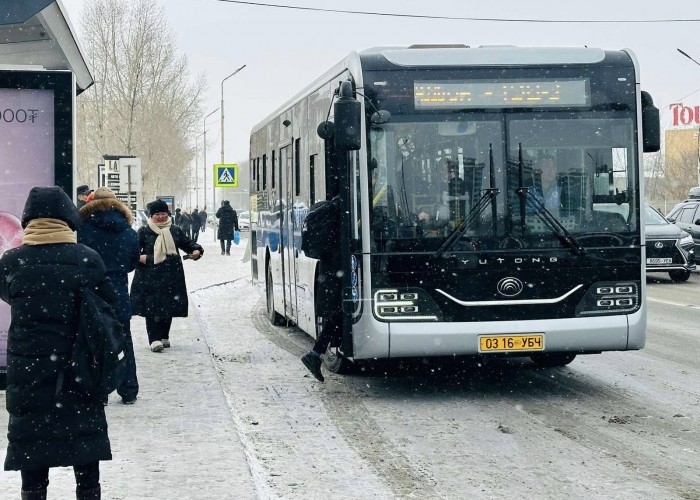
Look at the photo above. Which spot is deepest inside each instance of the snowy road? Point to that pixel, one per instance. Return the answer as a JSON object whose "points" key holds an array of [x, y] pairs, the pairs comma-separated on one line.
{"points": [[616, 425]]}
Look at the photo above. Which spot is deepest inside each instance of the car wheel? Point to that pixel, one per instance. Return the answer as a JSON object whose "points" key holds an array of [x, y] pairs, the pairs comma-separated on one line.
{"points": [[679, 275], [552, 359]]}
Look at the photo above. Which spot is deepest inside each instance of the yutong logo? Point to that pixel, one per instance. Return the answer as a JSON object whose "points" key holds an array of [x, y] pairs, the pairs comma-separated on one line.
{"points": [[509, 287], [483, 261]]}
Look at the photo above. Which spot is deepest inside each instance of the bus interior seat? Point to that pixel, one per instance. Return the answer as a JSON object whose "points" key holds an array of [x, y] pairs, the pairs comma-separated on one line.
{"points": [[609, 221]]}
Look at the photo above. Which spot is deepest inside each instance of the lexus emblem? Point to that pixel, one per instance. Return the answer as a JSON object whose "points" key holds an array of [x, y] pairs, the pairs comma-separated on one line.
{"points": [[509, 287], [658, 244]]}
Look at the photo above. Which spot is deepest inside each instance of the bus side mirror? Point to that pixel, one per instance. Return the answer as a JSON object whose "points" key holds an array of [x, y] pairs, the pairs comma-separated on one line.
{"points": [[651, 129], [326, 130], [348, 115]]}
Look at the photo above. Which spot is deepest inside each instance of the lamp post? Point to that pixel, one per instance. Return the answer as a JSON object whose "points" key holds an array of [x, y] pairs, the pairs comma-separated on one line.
{"points": [[204, 167], [196, 166], [222, 110], [698, 132]]}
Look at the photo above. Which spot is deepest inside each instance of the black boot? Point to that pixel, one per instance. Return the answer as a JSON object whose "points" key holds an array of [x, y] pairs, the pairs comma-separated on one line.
{"points": [[34, 495], [312, 360], [91, 494]]}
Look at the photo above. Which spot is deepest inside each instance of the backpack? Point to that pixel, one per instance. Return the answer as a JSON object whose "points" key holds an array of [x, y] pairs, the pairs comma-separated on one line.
{"points": [[98, 362], [320, 231]]}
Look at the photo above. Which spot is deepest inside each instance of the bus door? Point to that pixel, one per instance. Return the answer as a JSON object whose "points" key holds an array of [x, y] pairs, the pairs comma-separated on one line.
{"points": [[290, 229]]}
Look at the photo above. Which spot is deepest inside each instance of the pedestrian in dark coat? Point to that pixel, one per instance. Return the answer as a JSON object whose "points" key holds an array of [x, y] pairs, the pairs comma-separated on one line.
{"points": [[177, 216], [186, 224], [53, 423], [196, 224], [228, 222], [82, 193], [159, 291], [106, 228], [203, 219]]}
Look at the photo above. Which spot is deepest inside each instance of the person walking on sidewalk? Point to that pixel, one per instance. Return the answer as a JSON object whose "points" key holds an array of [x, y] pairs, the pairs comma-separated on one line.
{"points": [[106, 228], [228, 223], [53, 423], [196, 224], [203, 219], [186, 223], [159, 291]]}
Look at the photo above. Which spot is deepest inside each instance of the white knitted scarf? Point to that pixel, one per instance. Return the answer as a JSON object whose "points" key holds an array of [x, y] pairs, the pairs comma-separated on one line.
{"points": [[164, 245]]}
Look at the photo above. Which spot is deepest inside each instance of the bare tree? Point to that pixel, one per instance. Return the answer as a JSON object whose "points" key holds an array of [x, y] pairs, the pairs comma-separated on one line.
{"points": [[143, 102]]}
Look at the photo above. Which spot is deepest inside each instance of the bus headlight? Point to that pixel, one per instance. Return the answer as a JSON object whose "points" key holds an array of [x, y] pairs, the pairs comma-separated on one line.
{"points": [[409, 304], [610, 297]]}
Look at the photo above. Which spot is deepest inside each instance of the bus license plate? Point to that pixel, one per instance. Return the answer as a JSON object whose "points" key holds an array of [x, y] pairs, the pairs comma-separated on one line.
{"points": [[654, 260], [505, 343]]}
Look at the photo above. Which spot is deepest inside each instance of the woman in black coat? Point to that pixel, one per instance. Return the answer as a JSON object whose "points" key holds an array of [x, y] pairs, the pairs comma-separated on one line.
{"points": [[106, 228], [228, 222], [52, 422], [159, 291]]}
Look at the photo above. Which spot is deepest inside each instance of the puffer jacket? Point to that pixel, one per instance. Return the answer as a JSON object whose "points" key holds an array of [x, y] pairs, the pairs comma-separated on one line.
{"points": [[52, 422]]}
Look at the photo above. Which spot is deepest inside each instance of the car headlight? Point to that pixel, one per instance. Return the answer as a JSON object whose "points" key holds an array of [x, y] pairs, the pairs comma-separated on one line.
{"points": [[686, 240]]}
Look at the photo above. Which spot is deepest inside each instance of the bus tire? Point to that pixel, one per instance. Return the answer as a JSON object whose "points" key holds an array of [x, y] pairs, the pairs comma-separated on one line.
{"points": [[552, 359], [337, 363], [275, 318], [679, 275]]}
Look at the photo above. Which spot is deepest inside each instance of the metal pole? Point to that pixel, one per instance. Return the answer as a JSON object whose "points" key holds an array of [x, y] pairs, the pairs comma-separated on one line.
{"points": [[204, 167], [222, 110], [698, 151], [698, 168]]}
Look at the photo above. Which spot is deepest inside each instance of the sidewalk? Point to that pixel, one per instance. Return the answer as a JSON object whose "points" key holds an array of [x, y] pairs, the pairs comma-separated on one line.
{"points": [[179, 440]]}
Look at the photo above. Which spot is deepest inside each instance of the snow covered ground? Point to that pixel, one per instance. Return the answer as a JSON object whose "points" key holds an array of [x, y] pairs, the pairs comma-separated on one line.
{"points": [[229, 412]]}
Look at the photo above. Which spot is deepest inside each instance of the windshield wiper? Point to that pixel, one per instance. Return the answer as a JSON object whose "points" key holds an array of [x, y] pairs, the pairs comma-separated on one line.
{"points": [[527, 197], [486, 199]]}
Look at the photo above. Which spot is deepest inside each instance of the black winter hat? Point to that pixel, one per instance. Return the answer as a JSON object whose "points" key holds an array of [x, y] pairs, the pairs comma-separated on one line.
{"points": [[84, 189], [52, 203], [157, 206]]}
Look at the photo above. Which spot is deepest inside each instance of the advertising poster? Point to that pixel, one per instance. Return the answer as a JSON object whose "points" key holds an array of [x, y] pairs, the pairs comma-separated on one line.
{"points": [[169, 200], [27, 156]]}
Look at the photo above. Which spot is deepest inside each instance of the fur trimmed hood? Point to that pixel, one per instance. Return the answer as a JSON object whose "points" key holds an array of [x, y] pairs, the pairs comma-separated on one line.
{"points": [[105, 205]]}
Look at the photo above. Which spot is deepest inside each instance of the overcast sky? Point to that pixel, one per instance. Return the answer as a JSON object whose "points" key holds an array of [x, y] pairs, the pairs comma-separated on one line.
{"points": [[285, 49]]}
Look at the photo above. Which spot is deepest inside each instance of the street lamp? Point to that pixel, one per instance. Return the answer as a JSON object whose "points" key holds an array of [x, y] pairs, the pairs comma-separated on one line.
{"points": [[196, 165], [204, 167], [698, 132], [222, 110]]}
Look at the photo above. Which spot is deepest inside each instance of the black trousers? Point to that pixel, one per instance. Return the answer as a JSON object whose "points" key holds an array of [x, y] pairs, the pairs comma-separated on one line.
{"points": [[195, 235], [331, 331], [158, 327], [87, 477], [227, 243]]}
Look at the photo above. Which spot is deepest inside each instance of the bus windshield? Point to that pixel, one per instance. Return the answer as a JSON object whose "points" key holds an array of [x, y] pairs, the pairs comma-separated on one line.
{"points": [[498, 178]]}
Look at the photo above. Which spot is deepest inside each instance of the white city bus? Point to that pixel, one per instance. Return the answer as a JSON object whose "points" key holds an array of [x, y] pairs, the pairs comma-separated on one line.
{"points": [[506, 260]]}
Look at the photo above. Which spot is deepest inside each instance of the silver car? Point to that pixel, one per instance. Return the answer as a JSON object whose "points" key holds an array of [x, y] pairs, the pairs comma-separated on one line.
{"points": [[244, 221], [669, 248]]}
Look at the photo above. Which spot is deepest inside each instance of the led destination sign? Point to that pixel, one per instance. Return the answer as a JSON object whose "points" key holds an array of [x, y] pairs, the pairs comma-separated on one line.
{"points": [[501, 94]]}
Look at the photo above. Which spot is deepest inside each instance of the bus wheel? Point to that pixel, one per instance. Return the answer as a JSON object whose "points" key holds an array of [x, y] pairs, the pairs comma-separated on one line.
{"points": [[551, 359], [336, 362], [679, 275], [275, 318]]}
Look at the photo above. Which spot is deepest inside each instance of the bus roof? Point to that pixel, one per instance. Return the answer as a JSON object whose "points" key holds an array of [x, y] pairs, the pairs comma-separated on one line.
{"points": [[499, 55]]}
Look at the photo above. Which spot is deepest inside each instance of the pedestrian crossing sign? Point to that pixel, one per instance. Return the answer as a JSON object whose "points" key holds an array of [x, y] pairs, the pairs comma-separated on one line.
{"points": [[225, 175]]}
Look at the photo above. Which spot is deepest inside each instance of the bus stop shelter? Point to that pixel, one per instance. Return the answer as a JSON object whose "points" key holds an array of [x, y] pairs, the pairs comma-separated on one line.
{"points": [[42, 69]]}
